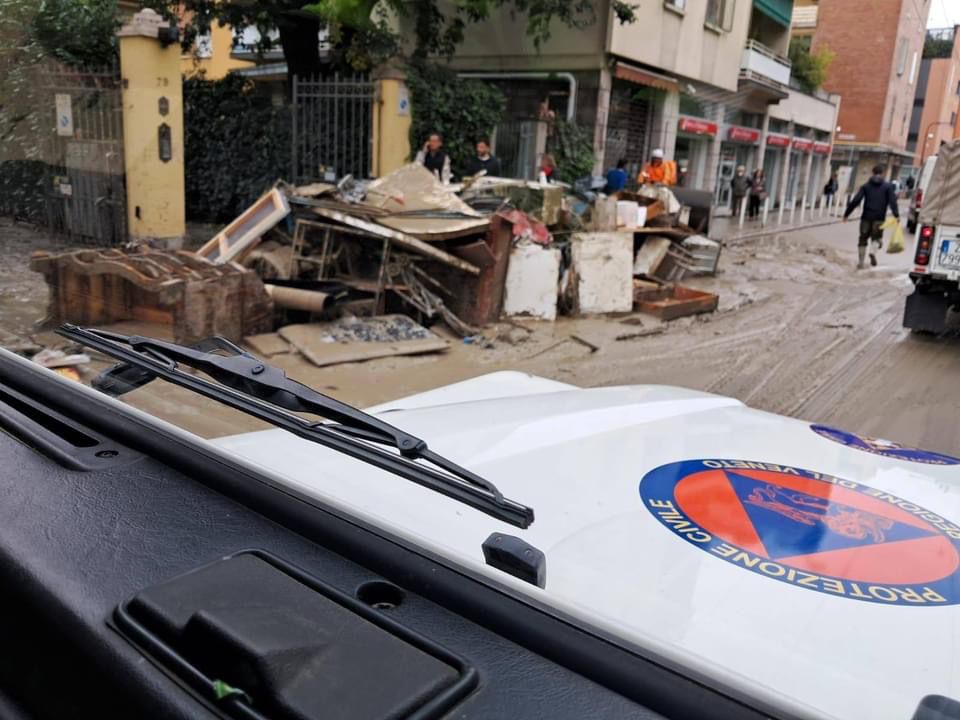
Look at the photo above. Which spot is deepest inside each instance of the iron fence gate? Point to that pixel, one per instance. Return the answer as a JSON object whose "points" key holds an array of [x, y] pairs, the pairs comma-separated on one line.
{"points": [[516, 146], [628, 128], [84, 191], [332, 128]]}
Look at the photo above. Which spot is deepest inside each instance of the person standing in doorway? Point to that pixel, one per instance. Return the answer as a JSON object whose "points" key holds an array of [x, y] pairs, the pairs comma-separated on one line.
{"points": [[739, 187], [758, 193], [876, 195], [616, 178], [830, 189], [483, 161], [548, 168], [434, 159]]}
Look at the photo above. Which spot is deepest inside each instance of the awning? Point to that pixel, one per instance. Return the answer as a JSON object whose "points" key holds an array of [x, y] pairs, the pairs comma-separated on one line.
{"points": [[633, 74], [780, 11], [876, 148]]}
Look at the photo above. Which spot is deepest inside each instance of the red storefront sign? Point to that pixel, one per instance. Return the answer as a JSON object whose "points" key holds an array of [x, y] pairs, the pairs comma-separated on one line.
{"points": [[821, 148], [743, 135], [696, 126], [802, 144], [778, 140]]}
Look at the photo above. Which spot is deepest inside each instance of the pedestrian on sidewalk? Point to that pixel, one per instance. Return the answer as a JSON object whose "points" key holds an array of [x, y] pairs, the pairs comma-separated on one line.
{"points": [[830, 189], [616, 178], [434, 159], [876, 195], [739, 187], [483, 161], [758, 193], [910, 183]]}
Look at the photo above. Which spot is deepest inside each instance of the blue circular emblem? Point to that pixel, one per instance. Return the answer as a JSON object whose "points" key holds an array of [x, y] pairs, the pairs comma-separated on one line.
{"points": [[810, 530], [886, 448]]}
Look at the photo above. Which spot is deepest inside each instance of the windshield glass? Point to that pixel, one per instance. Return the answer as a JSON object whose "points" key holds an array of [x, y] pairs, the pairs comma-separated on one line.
{"points": [[486, 223]]}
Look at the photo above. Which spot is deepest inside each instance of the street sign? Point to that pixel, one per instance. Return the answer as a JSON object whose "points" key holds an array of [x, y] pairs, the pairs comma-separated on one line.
{"points": [[64, 114]]}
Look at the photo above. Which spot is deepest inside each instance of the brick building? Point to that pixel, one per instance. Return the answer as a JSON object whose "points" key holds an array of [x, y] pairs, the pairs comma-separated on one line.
{"points": [[875, 69], [937, 102]]}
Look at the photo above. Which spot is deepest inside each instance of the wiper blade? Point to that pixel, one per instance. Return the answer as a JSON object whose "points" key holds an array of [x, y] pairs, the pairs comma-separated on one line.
{"points": [[246, 383]]}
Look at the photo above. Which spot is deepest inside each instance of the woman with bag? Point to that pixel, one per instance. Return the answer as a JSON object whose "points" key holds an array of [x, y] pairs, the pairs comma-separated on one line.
{"points": [[758, 193]]}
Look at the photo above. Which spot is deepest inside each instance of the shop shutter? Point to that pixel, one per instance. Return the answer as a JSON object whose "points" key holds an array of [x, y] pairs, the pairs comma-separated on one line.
{"points": [[628, 126]]}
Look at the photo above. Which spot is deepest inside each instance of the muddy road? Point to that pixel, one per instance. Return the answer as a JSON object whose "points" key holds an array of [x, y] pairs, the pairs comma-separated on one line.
{"points": [[798, 332]]}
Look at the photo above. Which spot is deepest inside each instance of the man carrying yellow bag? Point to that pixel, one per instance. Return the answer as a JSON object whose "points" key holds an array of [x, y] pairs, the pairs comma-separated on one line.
{"points": [[876, 195]]}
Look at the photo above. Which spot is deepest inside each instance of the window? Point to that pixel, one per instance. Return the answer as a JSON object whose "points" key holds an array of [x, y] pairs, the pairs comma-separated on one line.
{"points": [[714, 13], [953, 119], [958, 88], [913, 67], [902, 56], [675, 5]]}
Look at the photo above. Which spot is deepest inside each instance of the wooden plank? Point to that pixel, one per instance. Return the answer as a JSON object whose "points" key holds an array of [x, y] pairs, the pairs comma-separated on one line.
{"points": [[399, 238], [267, 344], [246, 230], [680, 303], [308, 341]]}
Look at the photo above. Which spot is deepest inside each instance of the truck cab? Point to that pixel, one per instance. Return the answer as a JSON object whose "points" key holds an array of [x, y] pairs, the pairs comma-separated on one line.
{"points": [[936, 271]]}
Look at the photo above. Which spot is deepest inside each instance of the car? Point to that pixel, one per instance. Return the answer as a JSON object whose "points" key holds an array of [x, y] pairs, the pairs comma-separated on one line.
{"points": [[506, 546], [936, 272], [917, 198]]}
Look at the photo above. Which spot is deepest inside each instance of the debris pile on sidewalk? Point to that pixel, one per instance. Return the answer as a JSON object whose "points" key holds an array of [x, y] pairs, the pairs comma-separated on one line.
{"points": [[304, 263]]}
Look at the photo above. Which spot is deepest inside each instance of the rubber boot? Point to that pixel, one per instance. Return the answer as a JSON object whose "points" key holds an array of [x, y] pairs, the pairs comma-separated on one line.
{"points": [[862, 251], [873, 253]]}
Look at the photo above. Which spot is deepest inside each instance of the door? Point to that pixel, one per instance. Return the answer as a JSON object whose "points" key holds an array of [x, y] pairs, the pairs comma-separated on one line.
{"points": [[725, 171]]}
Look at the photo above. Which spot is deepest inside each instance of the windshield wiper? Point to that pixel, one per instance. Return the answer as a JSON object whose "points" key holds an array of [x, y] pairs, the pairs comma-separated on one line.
{"points": [[246, 383]]}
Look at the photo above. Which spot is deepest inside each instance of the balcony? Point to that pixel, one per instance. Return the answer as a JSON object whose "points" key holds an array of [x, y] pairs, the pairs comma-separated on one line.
{"points": [[761, 63]]}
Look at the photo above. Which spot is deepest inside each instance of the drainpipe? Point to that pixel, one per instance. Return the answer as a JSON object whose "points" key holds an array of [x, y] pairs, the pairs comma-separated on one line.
{"points": [[571, 81]]}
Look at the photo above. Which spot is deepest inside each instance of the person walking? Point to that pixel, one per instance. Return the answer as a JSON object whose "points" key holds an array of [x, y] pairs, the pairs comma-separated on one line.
{"points": [[739, 187], [758, 193], [616, 178], [876, 195], [483, 161], [434, 159], [830, 189]]}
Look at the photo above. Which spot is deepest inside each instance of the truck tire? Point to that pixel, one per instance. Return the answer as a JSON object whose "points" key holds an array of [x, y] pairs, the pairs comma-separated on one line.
{"points": [[926, 312]]}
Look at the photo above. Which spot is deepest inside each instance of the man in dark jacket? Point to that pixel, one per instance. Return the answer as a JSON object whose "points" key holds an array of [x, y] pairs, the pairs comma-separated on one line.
{"points": [[876, 195], [483, 161]]}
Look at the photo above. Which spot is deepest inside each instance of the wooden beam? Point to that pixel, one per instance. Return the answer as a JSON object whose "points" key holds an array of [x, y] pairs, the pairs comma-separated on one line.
{"points": [[402, 239]]}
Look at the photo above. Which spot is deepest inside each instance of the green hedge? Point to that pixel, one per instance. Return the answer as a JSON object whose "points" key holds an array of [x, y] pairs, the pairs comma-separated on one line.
{"points": [[237, 145], [22, 189]]}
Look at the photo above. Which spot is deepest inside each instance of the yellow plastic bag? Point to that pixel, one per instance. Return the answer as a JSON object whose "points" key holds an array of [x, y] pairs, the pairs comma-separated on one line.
{"points": [[896, 241]]}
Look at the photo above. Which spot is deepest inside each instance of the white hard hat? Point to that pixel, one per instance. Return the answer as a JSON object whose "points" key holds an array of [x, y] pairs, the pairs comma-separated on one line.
{"points": [[658, 153]]}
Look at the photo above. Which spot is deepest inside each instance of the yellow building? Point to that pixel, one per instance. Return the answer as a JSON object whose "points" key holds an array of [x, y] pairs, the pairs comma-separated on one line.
{"points": [[211, 54]]}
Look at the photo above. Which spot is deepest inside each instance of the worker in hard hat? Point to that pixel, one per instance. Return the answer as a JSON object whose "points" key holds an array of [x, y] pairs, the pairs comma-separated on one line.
{"points": [[658, 171]]}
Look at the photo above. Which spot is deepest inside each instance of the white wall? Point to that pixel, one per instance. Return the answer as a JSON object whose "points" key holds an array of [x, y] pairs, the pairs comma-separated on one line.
{"points": [[805, 110]]}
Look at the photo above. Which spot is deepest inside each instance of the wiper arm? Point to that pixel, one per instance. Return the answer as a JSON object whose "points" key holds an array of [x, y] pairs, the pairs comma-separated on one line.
{"points": [[246, 383]]}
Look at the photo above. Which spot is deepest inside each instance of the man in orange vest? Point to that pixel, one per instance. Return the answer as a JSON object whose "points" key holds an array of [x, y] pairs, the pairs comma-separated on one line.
{"points": [[658, 171]]}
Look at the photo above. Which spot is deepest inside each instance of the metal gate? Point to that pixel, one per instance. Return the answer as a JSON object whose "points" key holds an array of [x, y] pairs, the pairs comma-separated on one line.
{"points": [[628, 127], [85, 195], [332, 128], [516, 147]]}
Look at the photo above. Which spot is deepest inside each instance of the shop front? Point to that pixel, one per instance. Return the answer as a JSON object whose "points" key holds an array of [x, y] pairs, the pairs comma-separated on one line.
{"points": [[818, 170], [773, 162], [694, 136], [800, 151], [739, 147]]}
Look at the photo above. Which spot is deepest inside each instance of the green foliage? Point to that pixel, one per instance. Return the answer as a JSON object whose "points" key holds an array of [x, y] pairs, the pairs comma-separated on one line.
{"points": [[572, 149], [78, 32], [937, 46], [460, 110], [21, 189], [237, 144], [809, 69]]}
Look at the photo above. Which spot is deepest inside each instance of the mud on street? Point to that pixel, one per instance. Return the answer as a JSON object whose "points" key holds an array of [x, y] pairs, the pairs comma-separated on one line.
{"points": [[798, 332]]}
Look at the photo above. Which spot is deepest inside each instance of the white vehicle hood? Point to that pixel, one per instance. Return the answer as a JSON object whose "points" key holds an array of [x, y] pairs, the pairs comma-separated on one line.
{"points": [[620, 537]]}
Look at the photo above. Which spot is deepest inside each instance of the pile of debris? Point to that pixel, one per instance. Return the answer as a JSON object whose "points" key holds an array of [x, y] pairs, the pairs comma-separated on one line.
{"points": [[299, 267]]}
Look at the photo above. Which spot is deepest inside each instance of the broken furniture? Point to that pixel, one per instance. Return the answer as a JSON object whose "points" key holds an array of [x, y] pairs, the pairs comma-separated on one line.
{"points": [[601, 272], [193, 296], [243, 234], [669, 301]]}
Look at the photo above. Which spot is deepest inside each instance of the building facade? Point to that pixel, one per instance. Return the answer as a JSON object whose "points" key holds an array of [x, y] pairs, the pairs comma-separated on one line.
{"points": [[706, 81], [937, 100], [876, 73]]}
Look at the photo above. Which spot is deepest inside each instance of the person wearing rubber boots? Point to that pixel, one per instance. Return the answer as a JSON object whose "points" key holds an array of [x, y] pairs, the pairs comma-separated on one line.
{"points": [[876, 195]]}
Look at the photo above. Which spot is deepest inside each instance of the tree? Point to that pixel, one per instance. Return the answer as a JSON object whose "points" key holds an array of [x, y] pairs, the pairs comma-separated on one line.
{"points": [[78, 32], [360, 29], [809, 69]]}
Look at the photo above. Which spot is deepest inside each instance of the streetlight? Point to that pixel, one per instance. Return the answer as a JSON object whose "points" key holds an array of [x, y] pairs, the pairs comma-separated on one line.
{"points": [[929, 136]]}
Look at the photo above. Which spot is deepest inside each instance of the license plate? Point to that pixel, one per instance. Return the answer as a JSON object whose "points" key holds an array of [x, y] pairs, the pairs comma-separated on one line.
{"points": [[949, 255]]}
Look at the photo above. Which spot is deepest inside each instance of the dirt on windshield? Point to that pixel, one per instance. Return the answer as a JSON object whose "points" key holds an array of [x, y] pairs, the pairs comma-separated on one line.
{"points": [[798, 332]]}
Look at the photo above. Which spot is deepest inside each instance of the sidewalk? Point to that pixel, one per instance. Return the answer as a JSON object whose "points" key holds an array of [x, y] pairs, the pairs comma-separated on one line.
{"points": [[726, 228]]}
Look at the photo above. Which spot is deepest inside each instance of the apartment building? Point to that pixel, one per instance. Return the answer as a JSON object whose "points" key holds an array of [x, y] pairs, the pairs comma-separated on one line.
{"points": [[875, 69], [708, 81], [936, 104]]}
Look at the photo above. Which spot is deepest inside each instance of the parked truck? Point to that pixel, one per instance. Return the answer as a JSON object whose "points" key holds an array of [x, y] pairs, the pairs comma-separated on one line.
{"points": [[936, 271]]}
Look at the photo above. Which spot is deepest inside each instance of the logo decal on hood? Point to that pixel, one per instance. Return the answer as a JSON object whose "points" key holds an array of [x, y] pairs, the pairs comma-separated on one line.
{"points": [[884, 447], [810, 530]]}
